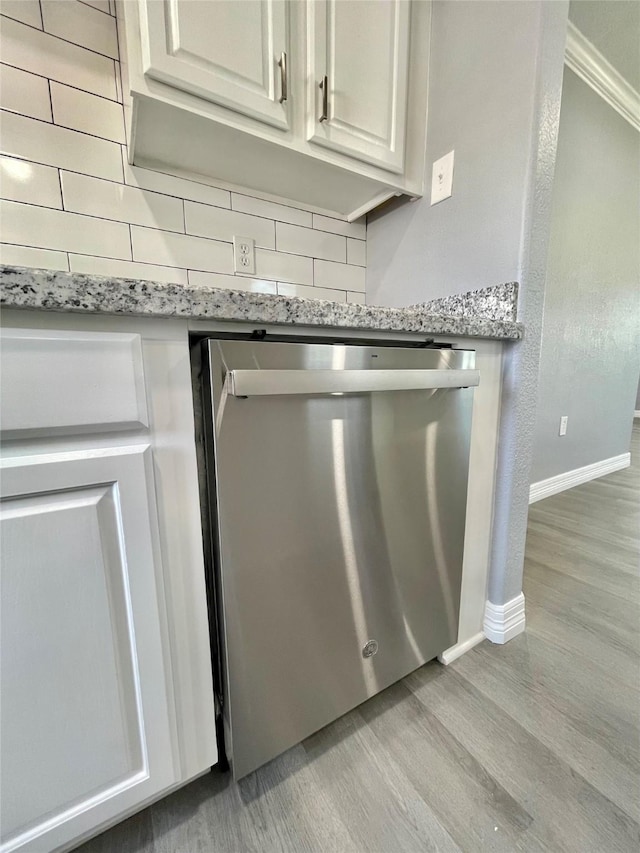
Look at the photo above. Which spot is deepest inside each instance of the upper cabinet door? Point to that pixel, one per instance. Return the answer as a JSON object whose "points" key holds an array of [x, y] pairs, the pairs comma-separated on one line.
{"points": [[358, 77], [229, 52]]}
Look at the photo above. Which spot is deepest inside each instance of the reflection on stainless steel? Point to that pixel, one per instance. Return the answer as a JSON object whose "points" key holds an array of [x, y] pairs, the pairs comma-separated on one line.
{"points": [[340, 517]]}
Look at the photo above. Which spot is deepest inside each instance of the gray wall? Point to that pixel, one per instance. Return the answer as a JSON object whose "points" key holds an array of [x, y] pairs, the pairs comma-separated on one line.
{"points": [[494, 97], [591, 338], [482, 86]]}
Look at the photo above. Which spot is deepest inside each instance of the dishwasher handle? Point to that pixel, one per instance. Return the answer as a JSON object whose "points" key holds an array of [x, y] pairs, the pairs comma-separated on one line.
{"points": [[252, 383]]}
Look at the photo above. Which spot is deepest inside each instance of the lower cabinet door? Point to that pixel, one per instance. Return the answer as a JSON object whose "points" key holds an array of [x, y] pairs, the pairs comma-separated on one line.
{"points": [[87, 733]]}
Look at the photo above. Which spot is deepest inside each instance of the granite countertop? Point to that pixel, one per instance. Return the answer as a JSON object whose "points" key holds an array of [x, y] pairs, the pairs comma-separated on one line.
{"points": [[486, 313]]}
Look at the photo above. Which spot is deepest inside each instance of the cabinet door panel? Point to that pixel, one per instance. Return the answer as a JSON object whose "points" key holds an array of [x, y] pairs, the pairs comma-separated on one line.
{"points": [[362, 46], [225, 51], [86, 730]]}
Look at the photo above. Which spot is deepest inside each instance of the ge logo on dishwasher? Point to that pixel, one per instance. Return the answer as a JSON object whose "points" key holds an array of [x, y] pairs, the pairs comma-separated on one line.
{"points": [[370, 649]]}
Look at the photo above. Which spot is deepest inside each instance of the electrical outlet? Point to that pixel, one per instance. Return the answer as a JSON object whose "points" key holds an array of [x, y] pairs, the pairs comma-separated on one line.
{"points": [[442, 178], [563, 424], [244, 255]]}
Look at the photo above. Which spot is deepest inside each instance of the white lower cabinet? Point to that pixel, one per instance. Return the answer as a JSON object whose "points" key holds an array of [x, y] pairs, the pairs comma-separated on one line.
{"points": [[91, 651]]}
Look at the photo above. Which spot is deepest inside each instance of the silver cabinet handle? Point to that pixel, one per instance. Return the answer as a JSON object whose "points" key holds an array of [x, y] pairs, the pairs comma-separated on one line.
{"points": [[324, 85], [250, 383], [284, 89]]}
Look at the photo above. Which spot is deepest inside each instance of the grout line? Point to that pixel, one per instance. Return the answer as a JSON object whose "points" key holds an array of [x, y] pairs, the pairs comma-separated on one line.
{"points": [[50, 103], [95, 9], [68, 261], [131, 242], [61, 38], [41, 14], [61, 193], [60, 83], [184, 217]]}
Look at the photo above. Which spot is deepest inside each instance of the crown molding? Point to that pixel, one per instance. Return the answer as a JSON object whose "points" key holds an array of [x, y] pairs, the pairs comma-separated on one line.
{"points": [[591, 66]]}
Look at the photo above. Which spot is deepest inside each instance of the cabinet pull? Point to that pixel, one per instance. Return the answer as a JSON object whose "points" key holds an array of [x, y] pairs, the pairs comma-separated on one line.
{"points": [[282, 64], [324, 85]]}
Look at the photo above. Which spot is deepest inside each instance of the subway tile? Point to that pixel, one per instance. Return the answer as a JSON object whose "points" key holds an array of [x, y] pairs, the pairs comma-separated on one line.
{"points": [[338, 226], [80, 24], [179, 187], [358, 298], [270, 210], [219, 224], [92, 265], [356, 252], [101, 5], [27, 256], [117, 201], [57, 146], [181, 250], [68, 232], [44, 54], [230, 282], [314, 244], [88, 113], [277, 266], [29, 182], [25, 11], [24, 93], [311, 292], [342, 276]]}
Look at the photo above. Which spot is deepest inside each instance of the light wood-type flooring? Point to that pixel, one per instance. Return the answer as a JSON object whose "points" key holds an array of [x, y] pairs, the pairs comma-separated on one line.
{"points": [[531, 746]]}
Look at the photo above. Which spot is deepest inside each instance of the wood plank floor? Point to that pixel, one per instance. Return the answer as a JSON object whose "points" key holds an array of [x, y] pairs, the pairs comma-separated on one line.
{"points": [[531, 746]]}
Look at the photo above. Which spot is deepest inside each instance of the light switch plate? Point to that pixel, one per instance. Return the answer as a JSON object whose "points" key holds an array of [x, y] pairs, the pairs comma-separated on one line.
{"points": [[442, 178]]}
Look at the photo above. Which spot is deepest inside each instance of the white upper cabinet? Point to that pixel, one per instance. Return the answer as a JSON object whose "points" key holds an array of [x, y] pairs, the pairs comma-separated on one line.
{"points": [[229, 52], [318, 102], [359, 63]]}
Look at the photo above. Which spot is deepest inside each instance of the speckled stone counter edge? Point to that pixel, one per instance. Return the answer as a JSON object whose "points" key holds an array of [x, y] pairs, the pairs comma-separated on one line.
{"points": [[22, 287]]}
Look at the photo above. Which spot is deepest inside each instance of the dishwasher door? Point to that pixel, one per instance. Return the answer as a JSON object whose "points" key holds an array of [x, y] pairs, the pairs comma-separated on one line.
{"points": [[338, 482]]}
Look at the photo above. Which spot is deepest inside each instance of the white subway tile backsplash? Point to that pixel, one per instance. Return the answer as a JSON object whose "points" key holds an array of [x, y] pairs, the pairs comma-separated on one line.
{"points": [[338, 226], [231, 282], [178, 187], [356, 297], [314, 244], [126, 269], [44, 54], [80, 24], [343, 276], [271, 210], [311, 292], [26, 11], [86, 112], [181, 250], [277, 266], [58, 146], [29, 182], [117, 201], [220, 224], [68, 232], [356, 252], [72, 201], [27, 256], [24, 93]]}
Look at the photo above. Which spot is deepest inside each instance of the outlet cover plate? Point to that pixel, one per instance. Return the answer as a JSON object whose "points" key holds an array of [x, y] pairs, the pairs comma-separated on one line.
{"points": [[244, 255]]}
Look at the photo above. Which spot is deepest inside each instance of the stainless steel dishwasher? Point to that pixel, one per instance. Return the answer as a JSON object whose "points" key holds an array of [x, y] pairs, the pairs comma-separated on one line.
{"points": [[337, 491]]}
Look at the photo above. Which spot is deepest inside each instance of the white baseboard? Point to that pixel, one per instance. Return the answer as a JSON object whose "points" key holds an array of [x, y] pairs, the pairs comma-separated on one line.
{"points": [[636, 414], [459, 649], [503, 622], [546, 488]]}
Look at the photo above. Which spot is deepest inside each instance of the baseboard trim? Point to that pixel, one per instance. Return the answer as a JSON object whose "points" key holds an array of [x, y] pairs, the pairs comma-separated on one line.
{"points": [[503, 622], [459, 649], [554, 485], [636, 414]]}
